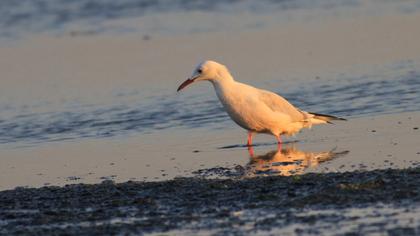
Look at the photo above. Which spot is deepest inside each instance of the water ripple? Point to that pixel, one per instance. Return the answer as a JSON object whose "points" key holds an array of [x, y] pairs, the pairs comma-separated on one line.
{"points": [[23, 16], [361, 96], [348, 98]]}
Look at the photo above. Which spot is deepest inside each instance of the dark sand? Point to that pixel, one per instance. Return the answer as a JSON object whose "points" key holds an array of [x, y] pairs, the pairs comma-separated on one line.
{"points": [[333, 203]]}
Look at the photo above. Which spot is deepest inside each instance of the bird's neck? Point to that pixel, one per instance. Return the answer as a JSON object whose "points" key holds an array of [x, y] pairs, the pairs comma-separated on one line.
{"points": [[223, 81], [224, 87]]}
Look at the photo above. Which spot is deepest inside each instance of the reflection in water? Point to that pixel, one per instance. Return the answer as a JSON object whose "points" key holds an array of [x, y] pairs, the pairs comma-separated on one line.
{"points": [[286, 161]]}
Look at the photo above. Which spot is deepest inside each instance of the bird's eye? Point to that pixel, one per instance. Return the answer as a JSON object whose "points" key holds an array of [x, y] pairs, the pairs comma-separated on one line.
{"points": [[199, 71]]}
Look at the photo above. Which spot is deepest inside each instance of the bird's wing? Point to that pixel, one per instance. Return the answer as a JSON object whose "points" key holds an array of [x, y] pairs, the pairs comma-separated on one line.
{"points": [[279, 104]]}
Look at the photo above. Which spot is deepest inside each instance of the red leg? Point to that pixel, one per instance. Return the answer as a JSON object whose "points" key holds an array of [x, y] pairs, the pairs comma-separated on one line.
{"points": [[279, 143], [249, 142], [251, 151]]}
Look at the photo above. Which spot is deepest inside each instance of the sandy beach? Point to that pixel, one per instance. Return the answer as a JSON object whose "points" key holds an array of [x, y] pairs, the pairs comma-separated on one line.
{"points": [[86, 107]]}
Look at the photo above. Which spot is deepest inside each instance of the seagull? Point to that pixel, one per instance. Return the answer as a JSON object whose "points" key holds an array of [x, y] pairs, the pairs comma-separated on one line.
{"points": [[256, 110]]}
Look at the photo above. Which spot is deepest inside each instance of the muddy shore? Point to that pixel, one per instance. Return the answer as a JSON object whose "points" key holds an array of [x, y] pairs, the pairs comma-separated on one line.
{"points": [[319, 203]]}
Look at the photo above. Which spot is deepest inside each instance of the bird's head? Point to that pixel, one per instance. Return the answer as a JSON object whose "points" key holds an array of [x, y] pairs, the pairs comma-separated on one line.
{"points": [[208, 70]]}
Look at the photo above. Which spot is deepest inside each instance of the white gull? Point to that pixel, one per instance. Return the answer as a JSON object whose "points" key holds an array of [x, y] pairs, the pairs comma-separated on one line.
{"points": [[256, 110]]}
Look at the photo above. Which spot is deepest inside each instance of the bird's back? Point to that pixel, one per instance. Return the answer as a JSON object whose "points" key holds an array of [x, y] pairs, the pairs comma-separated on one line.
{"points": [[278, 104], [259, 110]]}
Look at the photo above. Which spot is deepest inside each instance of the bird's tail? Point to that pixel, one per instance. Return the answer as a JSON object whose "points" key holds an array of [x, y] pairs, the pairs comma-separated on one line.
{"points": [[325, 118]]}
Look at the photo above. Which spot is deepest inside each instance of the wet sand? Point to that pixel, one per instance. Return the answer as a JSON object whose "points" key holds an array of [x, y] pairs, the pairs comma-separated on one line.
{"points": [[387, 141], [368, 202]]}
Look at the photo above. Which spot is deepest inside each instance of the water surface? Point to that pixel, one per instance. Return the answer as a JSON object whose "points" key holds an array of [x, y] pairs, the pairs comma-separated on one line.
{"points": [[87, 88]]}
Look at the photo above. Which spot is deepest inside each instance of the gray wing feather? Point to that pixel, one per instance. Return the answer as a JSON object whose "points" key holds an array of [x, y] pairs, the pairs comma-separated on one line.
{"points": [[279, 104]]}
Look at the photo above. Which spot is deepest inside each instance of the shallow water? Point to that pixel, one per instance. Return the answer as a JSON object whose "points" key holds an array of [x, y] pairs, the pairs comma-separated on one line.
{"points": [[342, 96], [94, 16], [26, 119], [88, 87]]}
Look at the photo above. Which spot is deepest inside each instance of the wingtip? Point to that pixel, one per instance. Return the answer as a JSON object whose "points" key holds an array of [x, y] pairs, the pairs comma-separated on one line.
{"points": [[327, 117]]}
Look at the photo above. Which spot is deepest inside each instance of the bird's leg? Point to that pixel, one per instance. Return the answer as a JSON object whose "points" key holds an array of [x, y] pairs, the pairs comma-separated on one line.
{"points": [[279, 143], [251, 151], [249, 142]]}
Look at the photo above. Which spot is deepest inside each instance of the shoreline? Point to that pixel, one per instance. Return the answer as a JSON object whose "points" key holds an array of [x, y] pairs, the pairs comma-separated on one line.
{"points": [[247, 206], [367, 143]]}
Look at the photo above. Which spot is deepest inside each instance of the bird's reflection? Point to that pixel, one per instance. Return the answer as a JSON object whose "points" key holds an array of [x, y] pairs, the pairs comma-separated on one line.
{"points": [[286, 161]]}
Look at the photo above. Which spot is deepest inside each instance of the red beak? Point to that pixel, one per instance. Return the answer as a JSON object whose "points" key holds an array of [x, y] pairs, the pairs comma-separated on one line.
{"points": [[185, 84]]}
